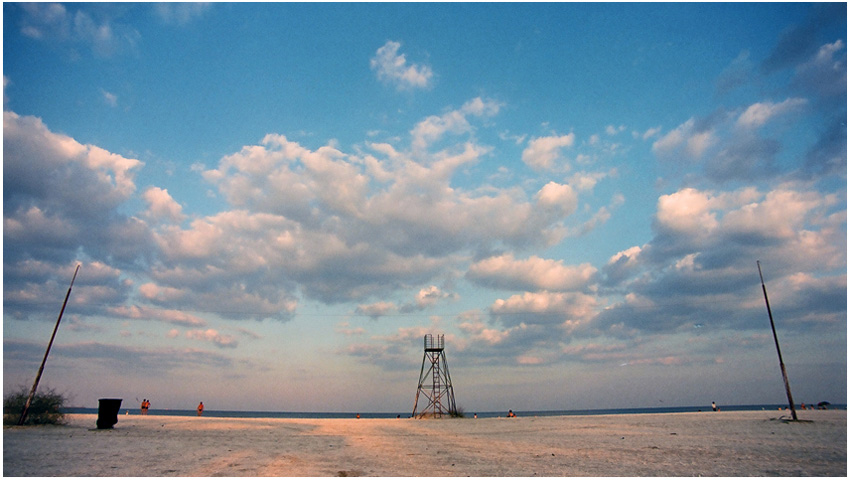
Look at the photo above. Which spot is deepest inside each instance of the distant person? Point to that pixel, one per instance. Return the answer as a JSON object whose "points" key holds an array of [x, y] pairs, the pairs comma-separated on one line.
{"points": [[511, 414], [358, 415], [713, 406], [142, 408], [200, 408], [475, 415]]}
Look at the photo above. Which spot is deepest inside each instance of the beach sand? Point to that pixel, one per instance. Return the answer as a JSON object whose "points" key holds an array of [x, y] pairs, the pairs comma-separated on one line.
{"points": [[752, 443]]}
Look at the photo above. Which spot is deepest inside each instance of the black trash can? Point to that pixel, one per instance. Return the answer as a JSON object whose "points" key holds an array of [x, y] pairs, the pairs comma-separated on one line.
{"points": [[107, 412]]}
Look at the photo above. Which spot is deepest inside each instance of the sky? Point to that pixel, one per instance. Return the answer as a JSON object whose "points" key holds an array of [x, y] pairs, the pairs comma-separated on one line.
{"points": [[272, 204]]}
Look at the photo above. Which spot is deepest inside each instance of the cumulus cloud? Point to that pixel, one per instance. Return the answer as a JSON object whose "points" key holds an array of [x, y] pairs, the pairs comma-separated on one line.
{"points": [[571, 312], [162, 206], [456, 122], [733, 145], [53, 220], [428, 296], [559, 196], [542, 152], [392, 67], [700, 263], [534, 273], [398, 219], [688, 141]]}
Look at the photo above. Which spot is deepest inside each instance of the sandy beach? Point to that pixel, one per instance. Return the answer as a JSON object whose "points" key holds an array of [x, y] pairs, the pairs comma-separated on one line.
{"points": [[753, 443]]}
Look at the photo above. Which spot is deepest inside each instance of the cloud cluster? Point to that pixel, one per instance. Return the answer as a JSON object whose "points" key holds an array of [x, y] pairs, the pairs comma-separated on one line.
{"points": [[53, 22], [305, 223], [396, 227], [743, 201]]}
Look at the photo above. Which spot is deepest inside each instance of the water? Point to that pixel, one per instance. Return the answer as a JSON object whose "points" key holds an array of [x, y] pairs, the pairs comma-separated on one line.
{"points": [[469, 414]]}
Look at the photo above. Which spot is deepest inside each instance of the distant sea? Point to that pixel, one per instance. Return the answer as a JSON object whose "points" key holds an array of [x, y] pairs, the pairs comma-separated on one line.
{"points": [[468, 414]]}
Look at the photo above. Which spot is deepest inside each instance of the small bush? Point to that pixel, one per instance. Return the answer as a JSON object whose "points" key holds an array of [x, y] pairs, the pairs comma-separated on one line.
{"points": [[459, 412], [45, 408]]}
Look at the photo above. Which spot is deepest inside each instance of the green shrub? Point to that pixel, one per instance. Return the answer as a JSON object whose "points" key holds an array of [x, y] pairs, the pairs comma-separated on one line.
{"points": [[45, 408]]}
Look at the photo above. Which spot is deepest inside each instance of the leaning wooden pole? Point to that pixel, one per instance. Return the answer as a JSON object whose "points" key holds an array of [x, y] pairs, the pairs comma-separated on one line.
{"points": [[47, 352], [778, 352]]}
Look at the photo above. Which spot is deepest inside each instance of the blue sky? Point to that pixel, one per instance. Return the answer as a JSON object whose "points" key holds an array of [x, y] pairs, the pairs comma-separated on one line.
{"points": [[273, 203]]}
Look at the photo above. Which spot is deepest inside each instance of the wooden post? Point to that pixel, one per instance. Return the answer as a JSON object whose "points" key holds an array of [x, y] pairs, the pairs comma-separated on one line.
{"points": [[778, 352], [49, 345]]}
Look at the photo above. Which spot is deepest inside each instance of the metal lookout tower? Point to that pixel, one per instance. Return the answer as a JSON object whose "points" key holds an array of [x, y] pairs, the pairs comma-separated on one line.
{"points": [[435, 383]]}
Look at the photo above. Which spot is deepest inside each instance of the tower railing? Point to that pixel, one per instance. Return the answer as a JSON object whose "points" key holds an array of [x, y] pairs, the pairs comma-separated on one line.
{"points": [[437, 344]]}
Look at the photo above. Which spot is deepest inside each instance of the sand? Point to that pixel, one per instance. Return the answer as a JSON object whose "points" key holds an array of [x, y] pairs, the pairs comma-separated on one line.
{"points": [[754, 443]]}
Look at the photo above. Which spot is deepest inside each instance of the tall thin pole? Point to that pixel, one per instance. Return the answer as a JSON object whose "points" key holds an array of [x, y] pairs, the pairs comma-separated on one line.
{"points": [[778, 352], [49, 345]]}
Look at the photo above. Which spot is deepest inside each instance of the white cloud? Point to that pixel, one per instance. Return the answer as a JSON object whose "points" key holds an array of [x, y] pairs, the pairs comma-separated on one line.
{"points": [[685, 142], [571, 309], [585, 182], [826, 73], [82, 194], [376, 309], [213, 336], [345, 329], [180, 13], [393, 68], [667, 144], [44, 20], [542, 152], [110, 98], [165, 315], [652, 132], [397, 219], [782, 213], [760, 113], [687, 211], [428, 296], [699, 142], [614, 130], [54, 23], [628, 256], [534, 273], [456, 122], [559, 196], [162, 206]]}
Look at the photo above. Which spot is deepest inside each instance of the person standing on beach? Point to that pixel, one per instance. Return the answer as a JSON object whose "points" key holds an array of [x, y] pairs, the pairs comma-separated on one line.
{"points": [[713, 406], [200, 408]]}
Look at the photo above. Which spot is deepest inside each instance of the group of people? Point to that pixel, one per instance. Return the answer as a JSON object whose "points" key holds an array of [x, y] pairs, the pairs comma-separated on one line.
{"points": [[146, 404]]}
